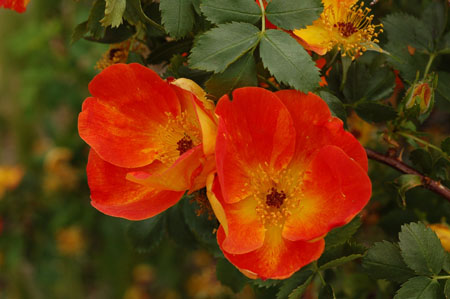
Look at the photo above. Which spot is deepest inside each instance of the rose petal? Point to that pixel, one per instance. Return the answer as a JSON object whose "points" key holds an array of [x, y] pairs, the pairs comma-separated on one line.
{"points": [[114, 195], [335, 189], [129, 103], [277, 258]]}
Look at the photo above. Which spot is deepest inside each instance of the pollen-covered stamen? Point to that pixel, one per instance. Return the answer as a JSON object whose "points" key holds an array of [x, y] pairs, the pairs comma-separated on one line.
{"points": [[184, 144], [176, 137], [346, 29], [351, 29], [277, 193], [275, 198]]}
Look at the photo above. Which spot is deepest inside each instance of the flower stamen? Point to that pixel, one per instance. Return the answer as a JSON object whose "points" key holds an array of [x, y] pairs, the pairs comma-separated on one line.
{"points": [[275, 198]]}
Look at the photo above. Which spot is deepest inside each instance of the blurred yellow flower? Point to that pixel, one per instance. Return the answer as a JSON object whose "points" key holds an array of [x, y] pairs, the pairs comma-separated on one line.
{"points": [[70, 241], [443, 233], [362, 130], [344, 24], [10, 177], [59, 173]]}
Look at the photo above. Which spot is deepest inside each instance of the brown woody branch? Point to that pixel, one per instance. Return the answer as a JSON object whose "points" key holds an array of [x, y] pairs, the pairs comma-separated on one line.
{"points": [[427, 182]]}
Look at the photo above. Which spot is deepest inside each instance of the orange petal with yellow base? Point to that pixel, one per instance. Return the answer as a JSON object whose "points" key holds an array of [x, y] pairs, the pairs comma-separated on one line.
{"points": [[114, 195], [177, 177], [243, 229], [335, 189], [18, 5], [244, 143], [277, 258], [315, 128], [128, 104]]}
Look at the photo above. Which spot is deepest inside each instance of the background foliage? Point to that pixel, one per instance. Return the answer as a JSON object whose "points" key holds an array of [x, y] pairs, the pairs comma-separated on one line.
{"points": [[54, 245]]}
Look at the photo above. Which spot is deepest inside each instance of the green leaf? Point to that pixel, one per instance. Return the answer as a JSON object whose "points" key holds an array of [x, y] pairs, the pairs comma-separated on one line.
{"points": [[268, 283], [230, 276], [177, 228], [145, 235], [409, 30], [113, 13], [406, 182], [342, 234], [135, 14], [288, 61], [201, 226], [445, 145], [447, 289], [297, 293], [96, 14], [326, 292], [421, 249], [383, 261], [240, 73], [336, 106], [226, 11], [444, 85], [296, 280], [166, 51], [79, 31], [422, 160], [218, 48], [402, 60], [293, 14], [177, 16], [419, 287], [446, 265], [375, 112], [444, 44], [114, 35], [340, 261], [435, 18], [364, 83]]}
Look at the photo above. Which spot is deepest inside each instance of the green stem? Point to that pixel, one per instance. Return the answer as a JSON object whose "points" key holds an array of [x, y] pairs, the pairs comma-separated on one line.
{"points": [[321, 278], [426, 143], [430, 61], [316, 269], [329, 63], [263, 14], [442, 277]]}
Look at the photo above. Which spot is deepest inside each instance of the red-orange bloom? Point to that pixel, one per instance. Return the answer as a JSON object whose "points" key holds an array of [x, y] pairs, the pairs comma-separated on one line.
{"points": [[287, 173], [146, 137], [17, 5]]}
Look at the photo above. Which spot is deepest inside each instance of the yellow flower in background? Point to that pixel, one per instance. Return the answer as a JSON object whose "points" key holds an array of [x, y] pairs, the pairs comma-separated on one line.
{"points": [[362, 130], [344, 24], [10, 177], [70, 241], [59, 173], [443, 233]]}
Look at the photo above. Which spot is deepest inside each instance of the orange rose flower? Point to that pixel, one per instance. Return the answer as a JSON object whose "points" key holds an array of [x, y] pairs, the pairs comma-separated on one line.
{"points": [[287, 173], [17, 5], [344, 24], [147, 141]]}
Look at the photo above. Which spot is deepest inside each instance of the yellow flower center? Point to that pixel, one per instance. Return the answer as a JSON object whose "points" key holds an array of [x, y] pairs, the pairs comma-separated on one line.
{"points": [[276, 194], [176, 137], [350, 28]]}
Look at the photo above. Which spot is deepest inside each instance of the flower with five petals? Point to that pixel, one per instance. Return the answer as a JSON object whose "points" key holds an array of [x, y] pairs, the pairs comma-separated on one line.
{"points": [[287, 173]]}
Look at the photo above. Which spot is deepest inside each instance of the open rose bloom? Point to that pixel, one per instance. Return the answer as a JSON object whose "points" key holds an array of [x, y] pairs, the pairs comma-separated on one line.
{"points": [[287, 173], [146, 137], [17, 5]]}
